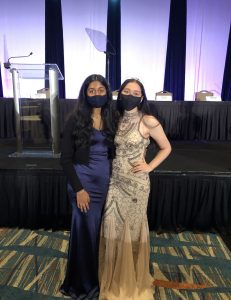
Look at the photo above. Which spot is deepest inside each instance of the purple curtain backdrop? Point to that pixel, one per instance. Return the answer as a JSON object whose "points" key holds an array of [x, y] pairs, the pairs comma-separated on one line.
{"points": [[144, 29]]}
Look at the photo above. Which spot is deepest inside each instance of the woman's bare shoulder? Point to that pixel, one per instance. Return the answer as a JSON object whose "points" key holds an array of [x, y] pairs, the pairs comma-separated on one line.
{"points": [[150, 121]]}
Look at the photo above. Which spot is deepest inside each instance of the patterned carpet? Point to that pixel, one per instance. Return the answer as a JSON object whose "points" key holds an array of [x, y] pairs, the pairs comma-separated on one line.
{"points": [[186, 265], [190, 266]]}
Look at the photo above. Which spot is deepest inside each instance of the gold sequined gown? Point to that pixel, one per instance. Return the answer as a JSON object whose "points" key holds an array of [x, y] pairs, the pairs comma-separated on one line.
{"points": [[124, 241]]}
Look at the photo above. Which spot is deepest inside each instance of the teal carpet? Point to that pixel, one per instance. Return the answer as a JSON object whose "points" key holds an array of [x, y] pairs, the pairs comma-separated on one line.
{"points": [[186, 265]]}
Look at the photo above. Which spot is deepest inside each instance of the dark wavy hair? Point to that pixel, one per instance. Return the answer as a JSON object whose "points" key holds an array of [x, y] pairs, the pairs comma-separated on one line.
{"points": [[83, 112], [143, 106]]}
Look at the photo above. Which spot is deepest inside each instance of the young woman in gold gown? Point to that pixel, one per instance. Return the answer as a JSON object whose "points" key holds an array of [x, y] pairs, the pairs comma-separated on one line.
{"points": [[124, 241]]}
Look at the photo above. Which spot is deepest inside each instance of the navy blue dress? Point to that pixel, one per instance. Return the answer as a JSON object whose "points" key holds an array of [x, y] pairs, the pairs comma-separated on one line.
{"points": [[81, 281]]}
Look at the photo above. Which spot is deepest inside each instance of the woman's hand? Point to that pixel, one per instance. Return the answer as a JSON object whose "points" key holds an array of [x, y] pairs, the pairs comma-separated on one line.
{"points": [[141, 167], [82, 200]]}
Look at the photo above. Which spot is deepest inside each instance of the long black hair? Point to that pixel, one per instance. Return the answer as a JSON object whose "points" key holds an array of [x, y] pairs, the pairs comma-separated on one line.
{"points": [[83, 112], [143, 106]]}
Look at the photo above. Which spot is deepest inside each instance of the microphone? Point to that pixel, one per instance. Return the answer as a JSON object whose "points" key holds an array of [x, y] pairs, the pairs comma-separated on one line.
{"points": [[7, 64]]}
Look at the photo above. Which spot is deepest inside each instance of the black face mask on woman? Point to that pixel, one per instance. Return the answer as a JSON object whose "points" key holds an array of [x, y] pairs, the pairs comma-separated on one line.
{"points": [[97, 101], [128, 102]]}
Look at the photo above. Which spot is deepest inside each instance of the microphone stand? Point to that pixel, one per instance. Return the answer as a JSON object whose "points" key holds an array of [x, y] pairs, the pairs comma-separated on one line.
{"points": [[107, 53], [7, 64]]}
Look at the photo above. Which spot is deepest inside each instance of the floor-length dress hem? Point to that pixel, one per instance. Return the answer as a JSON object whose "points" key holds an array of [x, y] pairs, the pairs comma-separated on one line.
{"points": [[124, 265]]}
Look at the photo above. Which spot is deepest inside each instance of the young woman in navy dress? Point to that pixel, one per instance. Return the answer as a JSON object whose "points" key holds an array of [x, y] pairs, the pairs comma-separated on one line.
{"points": [[87, 148]]}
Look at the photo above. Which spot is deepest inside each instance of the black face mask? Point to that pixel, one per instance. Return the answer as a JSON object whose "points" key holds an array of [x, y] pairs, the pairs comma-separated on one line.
{"points": [[97, 101], [128, 102]]}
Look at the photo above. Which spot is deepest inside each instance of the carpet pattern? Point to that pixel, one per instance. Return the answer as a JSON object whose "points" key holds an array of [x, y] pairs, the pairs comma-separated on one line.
{"points": [[185, 265], [190, 266]]}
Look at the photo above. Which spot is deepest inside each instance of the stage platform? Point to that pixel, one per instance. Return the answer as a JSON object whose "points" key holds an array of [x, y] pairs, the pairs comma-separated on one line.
{"points": [[191, 190]]}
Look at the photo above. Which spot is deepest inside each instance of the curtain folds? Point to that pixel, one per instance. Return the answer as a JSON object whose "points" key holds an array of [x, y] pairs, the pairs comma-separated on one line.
{"points": [[144, 35], [113, 57], [193, 202], [38, 199], [54, 50], [34, 199], [181, 120], [1, 90], [152, 38], [226, 86], [174, 80], [207, 40]]}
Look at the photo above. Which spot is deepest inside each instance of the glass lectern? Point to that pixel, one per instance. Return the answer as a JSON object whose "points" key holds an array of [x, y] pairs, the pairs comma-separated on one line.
{"points": [[36, 117]]}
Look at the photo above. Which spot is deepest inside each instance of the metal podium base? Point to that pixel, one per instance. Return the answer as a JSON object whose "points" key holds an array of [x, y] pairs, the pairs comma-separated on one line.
{"points": [[35, 153]]}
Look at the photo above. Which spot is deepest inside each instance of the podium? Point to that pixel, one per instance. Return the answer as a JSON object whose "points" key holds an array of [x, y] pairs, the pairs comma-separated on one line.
{"points": [[31, 147]]}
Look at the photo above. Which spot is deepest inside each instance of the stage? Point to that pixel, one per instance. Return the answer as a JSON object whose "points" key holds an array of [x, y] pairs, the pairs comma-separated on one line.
{"points": [[191, 190]]}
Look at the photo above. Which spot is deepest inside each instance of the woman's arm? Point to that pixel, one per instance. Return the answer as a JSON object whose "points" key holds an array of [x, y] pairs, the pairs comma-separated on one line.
{"points": [[67, 153], [150, 127]]}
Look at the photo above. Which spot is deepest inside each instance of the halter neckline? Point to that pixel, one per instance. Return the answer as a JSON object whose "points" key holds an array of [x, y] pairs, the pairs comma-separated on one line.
{"points": [[130, 114]]}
